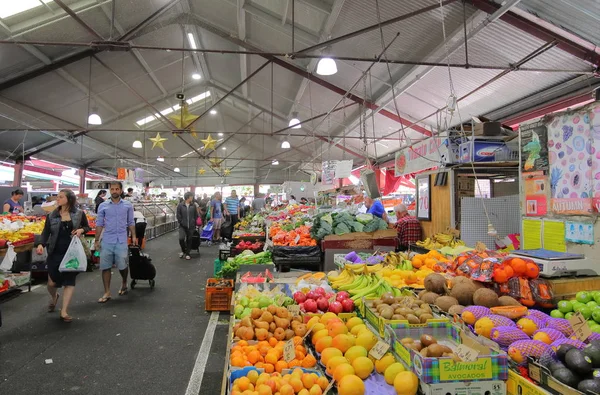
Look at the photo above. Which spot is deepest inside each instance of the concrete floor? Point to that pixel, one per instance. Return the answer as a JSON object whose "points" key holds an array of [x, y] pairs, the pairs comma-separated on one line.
{"points": [[144, 343]]}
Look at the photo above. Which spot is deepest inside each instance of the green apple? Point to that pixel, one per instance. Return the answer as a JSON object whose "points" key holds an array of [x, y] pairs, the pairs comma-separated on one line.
{"points": [[578, 306], [594, 294], [591, 323], [586, 312], [556, 314], [583, 296], [591, 304], [565, 306], [596, 315], [597, 297], [569, 315], [595, 328]]}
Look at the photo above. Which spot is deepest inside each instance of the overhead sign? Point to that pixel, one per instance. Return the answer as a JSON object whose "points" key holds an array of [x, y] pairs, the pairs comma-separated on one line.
{"points": [[430, 153]]}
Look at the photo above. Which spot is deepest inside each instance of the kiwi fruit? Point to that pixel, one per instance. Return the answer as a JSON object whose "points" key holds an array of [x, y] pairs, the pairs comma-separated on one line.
{"points": [[407, 340], [508, 301], [425, 352], [486, 297], [445, 302], [418, 312], [387, 313], [428, 340], [435, 282], [429, 297], [426, 308], [388, 298], [435, 350], [397, 317], [382, 306], [412, 319], [463, 292], [447, 350], [456, 309], [414, 346], [377, 302], [425, 317], [398, 310], [405, 311]]}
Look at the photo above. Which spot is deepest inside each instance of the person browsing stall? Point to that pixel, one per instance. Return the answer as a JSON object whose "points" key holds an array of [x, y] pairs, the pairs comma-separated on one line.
{"points": [[115, 216], [258, 204], [375, 207], [61, 225], [13, 205], [100, 197], [232, 207], [408, 227], [216, 215], [187, 214]]}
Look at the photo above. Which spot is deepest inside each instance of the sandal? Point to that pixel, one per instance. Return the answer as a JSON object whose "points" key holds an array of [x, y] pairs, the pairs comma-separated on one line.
{"points": [[123, 291], [104, 299], [52, 306], [66, 318]]}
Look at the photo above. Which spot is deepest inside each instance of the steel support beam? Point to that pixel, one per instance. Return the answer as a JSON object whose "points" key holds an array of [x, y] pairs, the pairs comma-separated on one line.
{"points": [[18, 173], [77, 19], [539, 32]]}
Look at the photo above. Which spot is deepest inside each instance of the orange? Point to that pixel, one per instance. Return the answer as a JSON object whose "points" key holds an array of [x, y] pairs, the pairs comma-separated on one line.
{"points": [[342, 370], [519, 266], [309, 361], [363, 367], [500, 276], [243, 383], [315, 390], [351, 385], [242, 343], [269, 368], [297, 340], [253, 357], [323, 343], [300, 355], [406, 383], [320, 334], [286, 389], [294, 363], [296, 384], [271, 358], [509, 271], [272, 342], [329, 353], [280, 365], [336, 328], [333, 363], [343, 342], [323, 382], [238, 362], [308, 380], [252, 376], [532, 270]]}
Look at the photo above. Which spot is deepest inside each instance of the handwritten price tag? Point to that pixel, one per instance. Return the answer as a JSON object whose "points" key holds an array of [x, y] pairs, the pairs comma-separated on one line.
{"points": [[294, 309], [580, 326], [466, 353], [289, 352], [379, 350]]}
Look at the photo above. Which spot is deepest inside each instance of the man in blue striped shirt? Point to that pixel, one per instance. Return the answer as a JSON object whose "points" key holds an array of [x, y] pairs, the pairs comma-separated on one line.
{"points": [[232, 207]]}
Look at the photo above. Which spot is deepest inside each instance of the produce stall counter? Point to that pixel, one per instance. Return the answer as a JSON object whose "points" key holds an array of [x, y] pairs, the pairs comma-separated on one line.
{"points": [[160, 217], [382, 240]]}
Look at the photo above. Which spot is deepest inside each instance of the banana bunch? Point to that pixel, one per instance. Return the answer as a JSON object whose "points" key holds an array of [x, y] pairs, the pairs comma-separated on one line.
{"points": [[440, 240], [363, 268], [395, 258], [370, 285], [405, 265], [345, 277]]}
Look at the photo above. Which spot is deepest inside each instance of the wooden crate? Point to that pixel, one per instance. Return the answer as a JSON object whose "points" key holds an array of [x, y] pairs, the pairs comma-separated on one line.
{"points": [[218, 297], [566, 288]]}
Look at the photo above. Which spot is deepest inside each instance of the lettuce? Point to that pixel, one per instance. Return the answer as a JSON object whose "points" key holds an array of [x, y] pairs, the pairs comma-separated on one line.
{"points": [[357, 226], [364, 218], [342, 229]]}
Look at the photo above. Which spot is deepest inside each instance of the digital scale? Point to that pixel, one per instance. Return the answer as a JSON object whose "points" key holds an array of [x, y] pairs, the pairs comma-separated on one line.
{"points": [[558, 264]]}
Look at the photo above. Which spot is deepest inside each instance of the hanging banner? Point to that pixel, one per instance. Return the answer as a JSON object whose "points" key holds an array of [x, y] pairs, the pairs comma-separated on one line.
{"points": [[536, 189], [534, 147], [328, 172], [594, 121], [343, 169], [427, 154], [121, 174], [570, 158]]}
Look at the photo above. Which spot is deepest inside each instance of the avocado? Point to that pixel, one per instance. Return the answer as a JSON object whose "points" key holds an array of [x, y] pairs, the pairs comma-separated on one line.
{"points": [[593, 351], [591, 387], [556, 365], [561, 353], [595, 342], [578, 362], [595, 374], [567, 377]]}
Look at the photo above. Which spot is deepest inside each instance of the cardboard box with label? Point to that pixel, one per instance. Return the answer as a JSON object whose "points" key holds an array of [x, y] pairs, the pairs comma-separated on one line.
{"points": [[494, 387], [518, 385]]}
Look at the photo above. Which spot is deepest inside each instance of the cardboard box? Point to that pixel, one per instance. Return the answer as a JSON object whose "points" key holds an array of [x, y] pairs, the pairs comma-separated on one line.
{"points": [[489, 365], [541, 375], [518, 385], [494, 387], [488, 129]]}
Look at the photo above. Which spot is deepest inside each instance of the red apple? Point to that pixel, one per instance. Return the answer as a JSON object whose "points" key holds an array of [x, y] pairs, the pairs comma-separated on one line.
{"points": [[336, 307], [320, 291], [323, 303], [312, 295], [347, 305], [299, 297], [342, 295], [310, 306]]}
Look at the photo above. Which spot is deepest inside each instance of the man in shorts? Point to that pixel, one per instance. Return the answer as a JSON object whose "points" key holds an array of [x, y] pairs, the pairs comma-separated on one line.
{"points": [[115, 216], [216, 215]]}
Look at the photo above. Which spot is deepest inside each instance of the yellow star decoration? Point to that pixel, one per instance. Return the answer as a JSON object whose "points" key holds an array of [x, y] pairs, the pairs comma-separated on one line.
{"points": [[182, 118], [209, 143], [158, 141], [201, 171], [215, 162], [227, 172]]}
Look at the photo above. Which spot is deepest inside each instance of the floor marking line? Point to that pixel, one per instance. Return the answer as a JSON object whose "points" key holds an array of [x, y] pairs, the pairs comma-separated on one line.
{"points": [[193, 387]]}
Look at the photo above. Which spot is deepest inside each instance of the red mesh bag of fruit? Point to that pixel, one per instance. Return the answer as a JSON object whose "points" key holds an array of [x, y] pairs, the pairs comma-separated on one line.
{"points": [[520, 289], [542, 292]]}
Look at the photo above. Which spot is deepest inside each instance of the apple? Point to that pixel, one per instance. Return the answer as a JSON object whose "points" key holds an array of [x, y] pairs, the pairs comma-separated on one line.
{"points": [[320, 291], [569, 315], [312, 295], [299, 297], [592, 304], [583, 297], [310, 306], [347, 305], [596, 315], [336, 307], [342, 295], [323, 303], [558, 314], [564, 306], [586, 312]]}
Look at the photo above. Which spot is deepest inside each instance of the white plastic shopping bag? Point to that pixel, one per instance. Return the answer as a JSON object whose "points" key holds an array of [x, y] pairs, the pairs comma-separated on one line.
{"points": [[9, 259], [74, 259]]}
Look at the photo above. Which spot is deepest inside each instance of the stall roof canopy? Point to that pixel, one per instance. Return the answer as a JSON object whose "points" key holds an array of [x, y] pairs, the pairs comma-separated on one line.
{"points": [[247, 66]]}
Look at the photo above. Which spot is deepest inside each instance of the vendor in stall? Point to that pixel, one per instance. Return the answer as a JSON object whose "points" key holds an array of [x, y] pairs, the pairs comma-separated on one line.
{"points": [[375, 207], [13, 204], [408, 227]]}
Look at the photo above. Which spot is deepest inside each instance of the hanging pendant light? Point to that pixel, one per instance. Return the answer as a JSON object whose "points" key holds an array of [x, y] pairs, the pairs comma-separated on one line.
{"points": [[275, 162], [285, 144], [137, 144], [326, 66], [176, 170], [94, 118], [294, 122], [160, 159]]}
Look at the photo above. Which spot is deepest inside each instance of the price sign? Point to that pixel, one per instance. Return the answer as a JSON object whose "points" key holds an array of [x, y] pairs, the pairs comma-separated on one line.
{"points": [[466, 353], [329, 387], [294, 309], [289, 352], [379, 350], [580, 326]]}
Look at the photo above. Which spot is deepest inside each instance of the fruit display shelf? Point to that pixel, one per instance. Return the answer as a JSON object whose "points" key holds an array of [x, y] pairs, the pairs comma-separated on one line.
{"points": [[23, 247]]}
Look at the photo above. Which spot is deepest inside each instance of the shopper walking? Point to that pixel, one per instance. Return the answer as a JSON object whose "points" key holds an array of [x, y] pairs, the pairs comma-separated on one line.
{"points": [[115, 216], [61, 225], [258, 204], [232, 208], [216, 215], [13, 205], [187, 214], [100, 197]]}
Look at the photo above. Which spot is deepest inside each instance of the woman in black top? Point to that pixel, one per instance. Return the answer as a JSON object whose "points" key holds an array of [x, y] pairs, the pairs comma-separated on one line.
{"points": [[99, 199], [61, 225]]}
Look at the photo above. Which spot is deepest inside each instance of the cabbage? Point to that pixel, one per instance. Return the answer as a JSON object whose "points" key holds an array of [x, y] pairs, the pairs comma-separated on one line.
{"points": [[342, 229], [357, 226], [364, 218], [246, 252]]}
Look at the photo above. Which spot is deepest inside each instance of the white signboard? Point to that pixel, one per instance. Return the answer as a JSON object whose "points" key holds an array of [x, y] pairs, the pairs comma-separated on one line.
{"points": [[422, 156], [343, 168]]}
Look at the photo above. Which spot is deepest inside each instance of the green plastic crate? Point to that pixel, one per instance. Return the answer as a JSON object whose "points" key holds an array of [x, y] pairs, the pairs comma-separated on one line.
{"points": [[218, 266]]}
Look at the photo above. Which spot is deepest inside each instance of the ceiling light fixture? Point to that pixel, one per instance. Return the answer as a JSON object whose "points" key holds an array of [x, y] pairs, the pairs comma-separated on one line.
{"points": [[137, 144], [213, 112], [275, 162], [224, 148], [295, 122], [192, 41], [326, 66], [196, 76], [220, 134], [285, 144], [160, 159], [176, 170], [94, 118]]}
